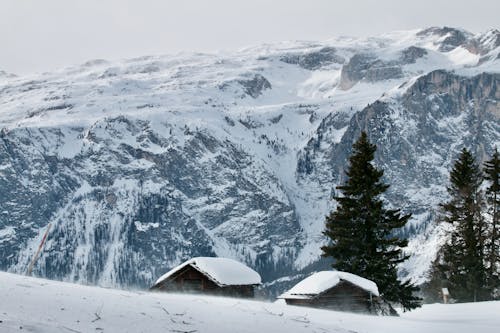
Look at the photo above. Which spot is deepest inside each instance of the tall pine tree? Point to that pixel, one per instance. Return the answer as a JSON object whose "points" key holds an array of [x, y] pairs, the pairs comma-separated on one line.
{"points": [[361, 230], [492, 177], [461, 260]]}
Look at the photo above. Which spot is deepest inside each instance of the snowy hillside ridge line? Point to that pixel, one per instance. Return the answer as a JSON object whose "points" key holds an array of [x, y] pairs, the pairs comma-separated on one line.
{"points": [[50, 307], [319, 282], [143, 163], [222, 271]]}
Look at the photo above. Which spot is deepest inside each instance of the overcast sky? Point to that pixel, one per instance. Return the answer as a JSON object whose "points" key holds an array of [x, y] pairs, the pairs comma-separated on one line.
{"points": [[41, 35]]}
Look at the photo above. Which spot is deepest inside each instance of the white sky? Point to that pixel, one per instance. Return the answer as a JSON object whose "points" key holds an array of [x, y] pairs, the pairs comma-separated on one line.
{"points": [[41, 35]]}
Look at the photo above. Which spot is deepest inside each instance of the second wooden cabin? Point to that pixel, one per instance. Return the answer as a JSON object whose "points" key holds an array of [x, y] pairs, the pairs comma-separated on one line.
{"points": [[215, 276], [334, 290]]}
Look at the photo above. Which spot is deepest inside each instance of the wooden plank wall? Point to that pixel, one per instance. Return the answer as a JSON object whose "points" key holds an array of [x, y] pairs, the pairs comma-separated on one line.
{"points": [[191, 280], [344, 297]]}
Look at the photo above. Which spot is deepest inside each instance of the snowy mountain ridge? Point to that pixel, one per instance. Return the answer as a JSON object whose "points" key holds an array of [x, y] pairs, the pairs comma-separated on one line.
{"points": [[140, 164]]}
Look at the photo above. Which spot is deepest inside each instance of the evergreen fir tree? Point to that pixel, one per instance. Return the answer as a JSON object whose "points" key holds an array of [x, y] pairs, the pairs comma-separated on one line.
{"points": [[461, 260], [492, 176], [361, 229]]}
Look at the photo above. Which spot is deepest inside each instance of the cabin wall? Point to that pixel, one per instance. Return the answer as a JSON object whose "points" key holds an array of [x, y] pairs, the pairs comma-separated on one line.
{"points": [[191, 280], [343, 297]]}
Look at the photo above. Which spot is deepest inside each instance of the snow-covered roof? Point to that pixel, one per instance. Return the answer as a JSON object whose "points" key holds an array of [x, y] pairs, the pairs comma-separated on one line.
{"points": [[322, 281], [222, 271]]}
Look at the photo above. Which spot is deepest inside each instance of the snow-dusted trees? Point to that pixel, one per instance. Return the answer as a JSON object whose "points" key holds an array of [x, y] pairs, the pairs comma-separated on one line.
{"points": [[361, 229], [492, 241], [467, 263], [461, 261]]}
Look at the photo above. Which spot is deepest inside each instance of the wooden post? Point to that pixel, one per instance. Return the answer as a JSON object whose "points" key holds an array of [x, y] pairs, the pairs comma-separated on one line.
{"points": [[35, 257], [446, 295]]}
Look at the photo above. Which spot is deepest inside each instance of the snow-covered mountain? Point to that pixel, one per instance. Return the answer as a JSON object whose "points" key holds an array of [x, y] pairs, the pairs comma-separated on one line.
{"points": [[143, 163]]}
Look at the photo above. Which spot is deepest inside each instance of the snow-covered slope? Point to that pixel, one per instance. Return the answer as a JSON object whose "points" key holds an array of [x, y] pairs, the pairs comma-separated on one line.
{"points": [[37, 305], [141, 164]]}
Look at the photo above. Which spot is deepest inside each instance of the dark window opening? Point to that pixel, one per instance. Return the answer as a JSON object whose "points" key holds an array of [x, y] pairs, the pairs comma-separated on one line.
{"points": [[192, 284]]}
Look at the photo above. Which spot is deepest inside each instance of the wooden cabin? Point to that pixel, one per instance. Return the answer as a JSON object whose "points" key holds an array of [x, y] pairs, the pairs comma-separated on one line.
{"points": [[334, 290], [214, 276]]}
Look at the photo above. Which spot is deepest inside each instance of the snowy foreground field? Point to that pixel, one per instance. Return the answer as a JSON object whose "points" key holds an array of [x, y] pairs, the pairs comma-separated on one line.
{"points": [[36, 305]]}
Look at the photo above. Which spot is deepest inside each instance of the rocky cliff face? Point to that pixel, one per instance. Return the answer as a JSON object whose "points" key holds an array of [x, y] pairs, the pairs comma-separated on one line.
{"points": [[142, 164], [123, 213]]}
